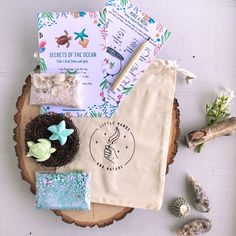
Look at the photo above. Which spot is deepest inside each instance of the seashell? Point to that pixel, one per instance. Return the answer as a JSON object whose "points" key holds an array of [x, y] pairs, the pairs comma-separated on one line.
{"points": [[46, 90], [201, 200], [195, 227], [75, 14], [59, 79], [84, 43], [73, 80], [55, 91], [36, 55], [76, 80], [39, 82], [68, 115], [180, 207]]}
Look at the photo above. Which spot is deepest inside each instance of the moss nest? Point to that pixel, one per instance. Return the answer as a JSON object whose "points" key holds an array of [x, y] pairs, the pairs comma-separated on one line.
{"points": [[37, 128]]}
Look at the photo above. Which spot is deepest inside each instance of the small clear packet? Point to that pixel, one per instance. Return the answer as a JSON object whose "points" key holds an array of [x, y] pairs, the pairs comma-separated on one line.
{"points": [[63, 191], [56, 89]]}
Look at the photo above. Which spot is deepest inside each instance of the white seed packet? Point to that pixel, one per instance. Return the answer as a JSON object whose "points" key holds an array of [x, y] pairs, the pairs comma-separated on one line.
{"points": [[59, 90]]}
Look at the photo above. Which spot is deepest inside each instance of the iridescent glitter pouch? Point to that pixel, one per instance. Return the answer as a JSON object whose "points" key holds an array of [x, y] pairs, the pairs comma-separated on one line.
{"points": [[63, 191]]}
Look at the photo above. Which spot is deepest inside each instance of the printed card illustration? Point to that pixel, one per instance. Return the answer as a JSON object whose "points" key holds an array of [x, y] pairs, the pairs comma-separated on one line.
{"points": [[124, 39], [112, 146], [74, 42], [124, 28]]}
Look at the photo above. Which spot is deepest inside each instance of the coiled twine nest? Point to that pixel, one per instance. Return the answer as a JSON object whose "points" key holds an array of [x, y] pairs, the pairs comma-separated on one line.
{"points": [[37, 128]]}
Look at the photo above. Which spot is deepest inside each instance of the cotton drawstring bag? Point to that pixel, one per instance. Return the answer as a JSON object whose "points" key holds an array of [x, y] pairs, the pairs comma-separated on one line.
{"points": [[127, 154]]}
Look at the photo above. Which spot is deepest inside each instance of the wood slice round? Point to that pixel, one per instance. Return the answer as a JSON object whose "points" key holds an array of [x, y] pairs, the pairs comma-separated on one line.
{"points": [[100, 215]]}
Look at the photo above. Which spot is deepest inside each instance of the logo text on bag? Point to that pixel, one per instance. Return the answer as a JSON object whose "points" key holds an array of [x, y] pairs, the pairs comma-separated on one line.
{"points": [[112, 145]]}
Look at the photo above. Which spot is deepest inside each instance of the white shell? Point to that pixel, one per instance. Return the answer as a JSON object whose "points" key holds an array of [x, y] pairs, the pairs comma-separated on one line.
{"points": [[39, 81], [59, 79], [67, 85], [55, 91], [36, 55]]}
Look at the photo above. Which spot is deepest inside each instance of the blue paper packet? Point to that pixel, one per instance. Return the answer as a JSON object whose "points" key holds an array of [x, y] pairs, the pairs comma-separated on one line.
{"points": [[63, 191]]}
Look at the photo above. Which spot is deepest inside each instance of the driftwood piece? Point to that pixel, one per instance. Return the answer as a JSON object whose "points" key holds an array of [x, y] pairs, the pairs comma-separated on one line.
{"points": [[222, 128], [100, 215]]}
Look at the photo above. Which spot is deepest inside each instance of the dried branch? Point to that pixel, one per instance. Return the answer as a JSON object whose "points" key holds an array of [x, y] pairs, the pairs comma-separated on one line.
{"points": [[218, 111], [223, 128]]}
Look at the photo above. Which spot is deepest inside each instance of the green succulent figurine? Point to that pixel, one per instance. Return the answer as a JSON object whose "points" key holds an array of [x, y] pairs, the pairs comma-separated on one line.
{"points": [[41, 150]]}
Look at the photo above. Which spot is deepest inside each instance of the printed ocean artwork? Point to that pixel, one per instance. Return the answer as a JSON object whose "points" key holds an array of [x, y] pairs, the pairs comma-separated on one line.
{"points": [[71, 43], [123, 28]]}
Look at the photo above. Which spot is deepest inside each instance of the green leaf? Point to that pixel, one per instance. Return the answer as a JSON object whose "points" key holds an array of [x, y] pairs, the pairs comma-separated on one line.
{"points": [[199, 147], [127, 90], [218, 111], [123, 2], [103, 17], [43, 66], [95, 114], [104, 84], [48, 15], [165, 36]]}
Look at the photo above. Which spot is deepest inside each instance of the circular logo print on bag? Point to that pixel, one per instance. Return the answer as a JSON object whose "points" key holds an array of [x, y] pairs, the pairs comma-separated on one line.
{"points": [[112, 146]]}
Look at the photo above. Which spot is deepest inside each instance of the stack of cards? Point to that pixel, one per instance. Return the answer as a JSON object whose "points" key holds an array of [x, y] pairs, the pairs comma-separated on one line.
{"points": [[97, 46]]}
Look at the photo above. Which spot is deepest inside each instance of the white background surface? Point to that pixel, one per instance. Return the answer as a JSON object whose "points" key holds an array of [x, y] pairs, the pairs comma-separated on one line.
{"points": [[203, 41]]}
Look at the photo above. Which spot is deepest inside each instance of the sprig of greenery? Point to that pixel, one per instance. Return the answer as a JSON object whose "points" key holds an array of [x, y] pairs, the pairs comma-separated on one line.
{"points": [[199, 147], [127, 90], [48, 15], [104, 84], [218, 111], [165, 36], [95, 114], [43, 66], [123, 2], [103, 17]]}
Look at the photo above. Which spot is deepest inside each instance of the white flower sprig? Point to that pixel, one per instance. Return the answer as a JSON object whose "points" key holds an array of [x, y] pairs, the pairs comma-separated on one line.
{"points": [[219, 110]]}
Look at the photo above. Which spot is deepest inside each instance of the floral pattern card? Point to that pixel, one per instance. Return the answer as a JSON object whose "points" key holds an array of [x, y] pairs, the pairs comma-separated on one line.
{"points": [[124, 39], [73, 42], [125, 28]]}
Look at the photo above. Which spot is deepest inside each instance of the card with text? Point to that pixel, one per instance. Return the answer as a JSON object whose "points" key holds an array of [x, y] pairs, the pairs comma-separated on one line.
{"points": [[123, 28], [74, 42], [124, 39]]}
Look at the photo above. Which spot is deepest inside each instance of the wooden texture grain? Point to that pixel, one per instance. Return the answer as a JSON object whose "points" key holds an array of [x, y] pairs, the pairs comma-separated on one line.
{"points": [[100, 215], [202, 41]]}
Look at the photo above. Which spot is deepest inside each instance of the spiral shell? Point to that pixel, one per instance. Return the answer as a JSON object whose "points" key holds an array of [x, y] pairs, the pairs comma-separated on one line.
{"points": [[201, 200], [180, 207], [195, 227]]}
